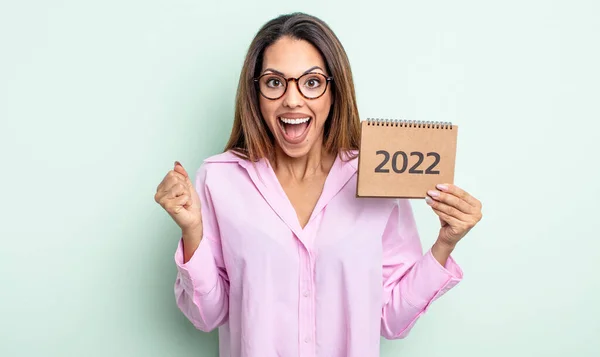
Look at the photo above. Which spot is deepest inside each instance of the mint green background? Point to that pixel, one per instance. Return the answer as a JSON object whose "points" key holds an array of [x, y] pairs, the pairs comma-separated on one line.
{"points": [[98, 98]]}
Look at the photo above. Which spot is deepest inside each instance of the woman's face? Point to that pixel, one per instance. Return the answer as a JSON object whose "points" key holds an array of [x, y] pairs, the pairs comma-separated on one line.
{"points": [[295, 121]]}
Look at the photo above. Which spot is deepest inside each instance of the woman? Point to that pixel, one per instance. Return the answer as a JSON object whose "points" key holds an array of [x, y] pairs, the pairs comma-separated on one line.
{"points": [[276, 250]]}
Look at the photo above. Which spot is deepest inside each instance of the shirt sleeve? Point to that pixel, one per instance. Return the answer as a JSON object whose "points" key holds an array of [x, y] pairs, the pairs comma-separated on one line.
{"points": [[202, 284], [411, 280]]}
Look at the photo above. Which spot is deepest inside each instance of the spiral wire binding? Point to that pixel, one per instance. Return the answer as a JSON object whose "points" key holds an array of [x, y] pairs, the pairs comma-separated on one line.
{"points": [[409, 123]]}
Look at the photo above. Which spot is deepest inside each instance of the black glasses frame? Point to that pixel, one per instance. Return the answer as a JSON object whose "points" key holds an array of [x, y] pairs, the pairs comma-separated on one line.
{"points": [[297, 80]]}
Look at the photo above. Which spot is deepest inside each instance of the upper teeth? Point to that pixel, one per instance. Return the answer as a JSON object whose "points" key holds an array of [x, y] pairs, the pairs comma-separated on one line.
{"points": [[294, 121]]}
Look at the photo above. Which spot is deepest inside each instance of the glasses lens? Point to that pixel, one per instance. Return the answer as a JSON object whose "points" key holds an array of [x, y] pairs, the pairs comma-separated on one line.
{"points": [[312, 85], [272, 86]]}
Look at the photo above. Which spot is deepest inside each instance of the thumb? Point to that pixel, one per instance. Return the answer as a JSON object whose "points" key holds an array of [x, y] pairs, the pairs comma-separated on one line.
{"points": [[179, 168], [442, 222]]}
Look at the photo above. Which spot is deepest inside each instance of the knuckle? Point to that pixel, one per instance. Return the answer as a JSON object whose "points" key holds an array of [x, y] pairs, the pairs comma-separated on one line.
{"points": [[174, 190], [445, 208], [466, 207], [472, 222], [164, 184], [170, 207], [172, 176], [438, 206], [449, 198], [162, 203], [454, 212]]}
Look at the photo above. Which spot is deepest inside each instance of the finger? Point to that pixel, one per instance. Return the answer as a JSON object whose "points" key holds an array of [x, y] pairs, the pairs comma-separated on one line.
{"points": [[447, 219], [170, 178], [447, 209], [177, 189], [176, 204], [458, 192], [451, 200]]}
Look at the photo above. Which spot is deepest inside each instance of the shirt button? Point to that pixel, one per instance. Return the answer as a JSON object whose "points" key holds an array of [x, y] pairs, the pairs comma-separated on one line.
{"points": [[306, 293], [307, 339]]}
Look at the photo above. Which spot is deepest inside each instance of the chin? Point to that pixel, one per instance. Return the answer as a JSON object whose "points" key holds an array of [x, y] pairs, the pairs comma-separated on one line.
{"points": [[296, 151]]}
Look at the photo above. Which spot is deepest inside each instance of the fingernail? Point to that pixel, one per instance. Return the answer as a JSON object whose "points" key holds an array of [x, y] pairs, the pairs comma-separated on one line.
{"points": [[442, 187], [177, 163], [428, 200], [433, 193]]}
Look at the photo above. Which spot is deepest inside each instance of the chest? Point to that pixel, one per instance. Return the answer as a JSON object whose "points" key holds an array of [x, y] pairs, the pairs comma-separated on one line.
{"points": [[274, 227], [303, 198]]}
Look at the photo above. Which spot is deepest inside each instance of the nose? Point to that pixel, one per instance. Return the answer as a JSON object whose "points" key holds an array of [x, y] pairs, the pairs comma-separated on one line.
{"points": [[292, 97]]}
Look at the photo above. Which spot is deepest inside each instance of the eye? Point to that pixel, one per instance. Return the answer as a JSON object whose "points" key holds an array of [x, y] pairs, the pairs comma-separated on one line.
{"points": [[273, 82], [313, 82]]}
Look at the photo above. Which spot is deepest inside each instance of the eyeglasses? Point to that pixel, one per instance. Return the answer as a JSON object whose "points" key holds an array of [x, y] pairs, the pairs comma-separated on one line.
{"points": [[311, 85]]}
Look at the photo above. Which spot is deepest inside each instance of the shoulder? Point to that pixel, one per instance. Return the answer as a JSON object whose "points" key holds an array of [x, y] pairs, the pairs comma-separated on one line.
{"points": [[226, 157], [220, 166], [349, 158]]}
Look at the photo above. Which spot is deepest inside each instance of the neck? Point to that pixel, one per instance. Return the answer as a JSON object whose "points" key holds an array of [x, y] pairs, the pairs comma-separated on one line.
{"points": [[315, 163]]}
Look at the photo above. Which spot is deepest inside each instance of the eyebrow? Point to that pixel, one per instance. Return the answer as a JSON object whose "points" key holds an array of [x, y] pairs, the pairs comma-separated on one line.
{"points": [[283, 75]]}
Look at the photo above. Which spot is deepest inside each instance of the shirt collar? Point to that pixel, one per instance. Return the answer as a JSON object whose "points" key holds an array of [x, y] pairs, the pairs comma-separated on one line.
{"points": [[263, 176]]}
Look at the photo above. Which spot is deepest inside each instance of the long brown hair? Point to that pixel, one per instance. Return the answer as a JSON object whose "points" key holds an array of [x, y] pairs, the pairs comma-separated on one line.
{"points": [[250, 137]]}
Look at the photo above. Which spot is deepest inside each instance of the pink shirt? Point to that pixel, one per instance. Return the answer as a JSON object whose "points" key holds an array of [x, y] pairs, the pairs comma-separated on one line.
{"points": [[331, 289]]}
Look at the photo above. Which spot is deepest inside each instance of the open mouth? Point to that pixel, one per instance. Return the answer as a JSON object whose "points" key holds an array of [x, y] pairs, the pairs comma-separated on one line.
{"points": [[294, 130]]}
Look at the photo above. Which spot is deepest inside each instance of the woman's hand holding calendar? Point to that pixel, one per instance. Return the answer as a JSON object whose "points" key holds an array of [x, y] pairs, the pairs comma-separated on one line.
{"points": [[458, 211]]}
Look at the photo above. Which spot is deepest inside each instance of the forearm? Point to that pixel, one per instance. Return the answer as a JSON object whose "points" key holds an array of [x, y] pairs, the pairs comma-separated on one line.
{"points": [[441, 251], [191, 241]]}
